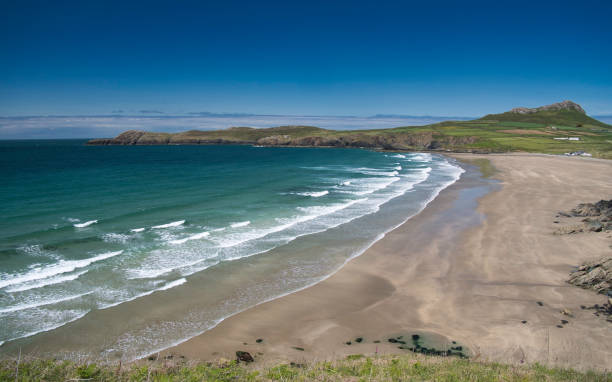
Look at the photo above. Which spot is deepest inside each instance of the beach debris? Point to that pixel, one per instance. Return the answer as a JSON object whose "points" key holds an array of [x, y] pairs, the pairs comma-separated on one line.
{"points": [[244, 356], [348, 343], [540, 303], [259, 340], [524, 322], [359, 339], [566, 312], [564, 322], [560, 326], [297, 348]]}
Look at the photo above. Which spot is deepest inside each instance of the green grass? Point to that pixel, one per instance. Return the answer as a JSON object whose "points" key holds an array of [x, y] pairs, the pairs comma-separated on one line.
{"points": [[354, 368]]}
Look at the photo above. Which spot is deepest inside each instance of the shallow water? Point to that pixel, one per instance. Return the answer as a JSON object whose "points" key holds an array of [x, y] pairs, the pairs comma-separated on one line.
{"points": [[122, 251]]}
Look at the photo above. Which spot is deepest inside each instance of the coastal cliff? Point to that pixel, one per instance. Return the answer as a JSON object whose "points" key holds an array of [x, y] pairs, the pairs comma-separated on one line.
{"points": [[562, 127], [303, 136]]}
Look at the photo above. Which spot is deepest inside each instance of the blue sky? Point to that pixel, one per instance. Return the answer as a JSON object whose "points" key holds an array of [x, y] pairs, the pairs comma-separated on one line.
{"points": [[304, 58]]}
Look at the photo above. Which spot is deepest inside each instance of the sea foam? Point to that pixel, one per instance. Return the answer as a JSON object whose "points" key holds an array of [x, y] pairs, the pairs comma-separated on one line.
{"points": [[197, 236], [173, 224], [240, 224], [86, 224], [64, 266]]}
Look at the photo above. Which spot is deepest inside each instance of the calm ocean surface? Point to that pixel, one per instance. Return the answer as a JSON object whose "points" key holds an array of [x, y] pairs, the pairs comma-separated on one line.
{"points": [[161, 243]]}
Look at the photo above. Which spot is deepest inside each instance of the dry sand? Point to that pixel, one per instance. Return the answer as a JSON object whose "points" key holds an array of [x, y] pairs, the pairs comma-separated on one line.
{"points": [[469, 268]]}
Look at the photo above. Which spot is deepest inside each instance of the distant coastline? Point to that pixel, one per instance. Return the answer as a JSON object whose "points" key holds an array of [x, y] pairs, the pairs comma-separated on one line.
{"points": [[545, 129]]}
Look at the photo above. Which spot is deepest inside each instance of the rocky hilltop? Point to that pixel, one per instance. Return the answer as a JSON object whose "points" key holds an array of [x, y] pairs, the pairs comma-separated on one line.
{"points": [[559, 106]]}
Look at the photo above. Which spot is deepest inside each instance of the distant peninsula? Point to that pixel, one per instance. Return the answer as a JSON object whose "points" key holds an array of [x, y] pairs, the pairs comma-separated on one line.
{"points": [[558, 128]]}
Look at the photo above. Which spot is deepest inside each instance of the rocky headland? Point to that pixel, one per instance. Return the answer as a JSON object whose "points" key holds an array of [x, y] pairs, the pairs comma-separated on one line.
{"points": [[520, 129]]}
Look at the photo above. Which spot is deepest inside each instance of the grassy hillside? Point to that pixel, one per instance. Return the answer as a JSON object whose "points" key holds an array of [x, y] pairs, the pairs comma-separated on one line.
{"points": [[354, 368], [527, 130]]}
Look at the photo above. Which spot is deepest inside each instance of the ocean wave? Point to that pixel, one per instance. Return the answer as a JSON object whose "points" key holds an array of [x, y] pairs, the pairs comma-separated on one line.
{"points": [[380, 173], [77, 314], [197, 236], [346, 183], [314, 194], [86, 224], [172, 284], [116, 238], [42, 303], [372, 185], [240, 224], [45, 282], [421, 157], [64, 266], [167, 286], [137, 230], [168, 225], [286, 223], [398, 156]]}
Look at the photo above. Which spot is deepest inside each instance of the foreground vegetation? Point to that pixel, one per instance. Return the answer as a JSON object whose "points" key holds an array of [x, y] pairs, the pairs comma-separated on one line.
{"points": [[353, 368]]}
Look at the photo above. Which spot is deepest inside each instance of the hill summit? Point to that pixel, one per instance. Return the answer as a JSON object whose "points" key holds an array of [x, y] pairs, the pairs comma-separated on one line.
{"points": [[559, 106]]}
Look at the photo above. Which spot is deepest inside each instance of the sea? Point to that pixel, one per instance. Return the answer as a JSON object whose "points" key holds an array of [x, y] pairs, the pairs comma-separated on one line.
{"points": [[118, 252]]}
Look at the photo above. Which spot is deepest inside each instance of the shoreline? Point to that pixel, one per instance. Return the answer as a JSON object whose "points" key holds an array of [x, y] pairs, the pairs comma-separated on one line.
{"points": [[318, 322], [46, 342]]}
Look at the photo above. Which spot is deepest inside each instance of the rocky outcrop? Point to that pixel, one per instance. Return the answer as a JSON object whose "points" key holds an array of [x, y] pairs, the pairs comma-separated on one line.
{"points": [[602, 208], [597, 218], [595, 275], [243, 356], [559, 106]]}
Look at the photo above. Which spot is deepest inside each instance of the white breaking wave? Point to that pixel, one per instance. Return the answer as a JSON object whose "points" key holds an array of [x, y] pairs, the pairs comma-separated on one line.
{"points": [[173, 284], [173, 224], [64, 266], [137, 230], [421, 157], [315, 194], [46, 282], [398, 168], [380, 173], [42, 303], [86, 224], [197, 236], [287, 223], [240, 224], [346, 183], [398, 156], [167, 286], [375, 186]]}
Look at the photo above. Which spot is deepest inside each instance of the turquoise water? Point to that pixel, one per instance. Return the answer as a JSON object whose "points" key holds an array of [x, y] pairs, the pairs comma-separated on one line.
{"points": [[90, 231]]}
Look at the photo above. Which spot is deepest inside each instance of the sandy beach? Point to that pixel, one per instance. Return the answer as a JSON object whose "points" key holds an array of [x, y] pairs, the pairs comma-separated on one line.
{"points": [[469, 268]]}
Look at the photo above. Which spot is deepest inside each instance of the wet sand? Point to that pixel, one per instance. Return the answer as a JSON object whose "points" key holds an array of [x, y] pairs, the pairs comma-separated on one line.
{"points": [[469, 268]]}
